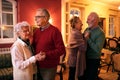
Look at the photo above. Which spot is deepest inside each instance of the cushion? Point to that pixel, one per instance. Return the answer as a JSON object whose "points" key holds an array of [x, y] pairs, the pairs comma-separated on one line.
{"points": [[5, 61], [116, 61], [6, 74]]}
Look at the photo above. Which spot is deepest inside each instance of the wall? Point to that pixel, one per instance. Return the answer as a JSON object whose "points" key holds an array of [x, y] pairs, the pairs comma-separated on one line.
{"points": [[26, 12], [86, 7], [104, 11], [27, 9], [101, 9]]}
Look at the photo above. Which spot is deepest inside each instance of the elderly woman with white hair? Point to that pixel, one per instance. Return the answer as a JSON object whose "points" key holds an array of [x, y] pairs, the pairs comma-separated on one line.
{"points": [[22, 53]]}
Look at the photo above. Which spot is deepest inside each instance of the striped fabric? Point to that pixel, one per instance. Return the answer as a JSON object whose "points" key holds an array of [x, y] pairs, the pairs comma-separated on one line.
{"points": [[6, 70]]}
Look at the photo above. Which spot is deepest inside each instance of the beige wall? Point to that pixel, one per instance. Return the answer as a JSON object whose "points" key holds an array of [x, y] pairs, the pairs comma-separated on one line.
{"points": [[87, 6], [102, 11]]}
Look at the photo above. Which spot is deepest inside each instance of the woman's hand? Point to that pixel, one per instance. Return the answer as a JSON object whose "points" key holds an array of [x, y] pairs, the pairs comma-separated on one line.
{"points": [[40, 56]]}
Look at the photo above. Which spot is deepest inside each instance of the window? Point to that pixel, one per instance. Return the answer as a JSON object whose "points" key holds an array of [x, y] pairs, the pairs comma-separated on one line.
{"points": [[74, 12], [7, 20], [111, 26]]}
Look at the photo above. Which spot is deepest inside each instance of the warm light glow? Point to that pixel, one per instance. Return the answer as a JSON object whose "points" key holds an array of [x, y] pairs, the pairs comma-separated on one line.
{"points": [[3, 27], [50, 20], [71, 16], [118, 7], [74, 12]]}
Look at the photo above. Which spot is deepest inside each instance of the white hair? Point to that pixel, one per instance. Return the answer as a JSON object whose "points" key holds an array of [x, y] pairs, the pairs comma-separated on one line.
{"points": [[19, 26]]}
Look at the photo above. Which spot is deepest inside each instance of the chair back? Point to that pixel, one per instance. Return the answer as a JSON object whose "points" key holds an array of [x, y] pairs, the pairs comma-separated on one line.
{"points": [[113, 44], [62, 58], [106, 43], [115, 57]]}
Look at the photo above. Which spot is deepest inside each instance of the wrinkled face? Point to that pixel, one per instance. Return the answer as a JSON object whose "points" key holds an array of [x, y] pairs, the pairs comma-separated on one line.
{"points": [[24, 33], [90, 20], [78, 24], [40, 18]]}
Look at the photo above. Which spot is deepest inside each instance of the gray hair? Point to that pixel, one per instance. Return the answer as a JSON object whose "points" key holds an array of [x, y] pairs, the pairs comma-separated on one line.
{"points": [[95, 15], [45, 11], [19, 26]]}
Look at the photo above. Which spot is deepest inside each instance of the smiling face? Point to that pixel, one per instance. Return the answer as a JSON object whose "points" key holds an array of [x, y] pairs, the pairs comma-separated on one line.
{"points": [[24, 33], [41, 17], [78, 24], [92, 20]]}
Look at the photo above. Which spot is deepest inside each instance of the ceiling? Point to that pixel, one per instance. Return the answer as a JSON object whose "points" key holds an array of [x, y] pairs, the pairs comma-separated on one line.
{"points": [[114, 4], [111, 2]]}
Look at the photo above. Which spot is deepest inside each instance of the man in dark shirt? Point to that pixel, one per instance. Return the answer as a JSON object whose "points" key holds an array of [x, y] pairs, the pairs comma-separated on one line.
{"points": [[95, 39]]}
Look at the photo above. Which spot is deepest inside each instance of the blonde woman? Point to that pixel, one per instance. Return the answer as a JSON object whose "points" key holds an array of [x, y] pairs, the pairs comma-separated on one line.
{"points": [[77, 49]]}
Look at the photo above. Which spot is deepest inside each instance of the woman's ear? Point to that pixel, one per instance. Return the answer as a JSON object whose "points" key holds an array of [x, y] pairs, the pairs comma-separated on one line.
{"points": [[18, 34]]}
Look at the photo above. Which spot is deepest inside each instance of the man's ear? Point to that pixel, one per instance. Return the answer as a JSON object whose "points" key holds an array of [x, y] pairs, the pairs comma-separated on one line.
{"points": [[46, 19]]}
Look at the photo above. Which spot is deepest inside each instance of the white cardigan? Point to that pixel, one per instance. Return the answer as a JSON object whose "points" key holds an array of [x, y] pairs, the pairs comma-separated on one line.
{"points": [[22, 60]]}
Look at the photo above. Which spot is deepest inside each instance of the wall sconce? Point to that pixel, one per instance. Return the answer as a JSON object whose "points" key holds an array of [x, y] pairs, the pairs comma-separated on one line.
{"points": [[3, 27], [50, 21], [118, 7]]}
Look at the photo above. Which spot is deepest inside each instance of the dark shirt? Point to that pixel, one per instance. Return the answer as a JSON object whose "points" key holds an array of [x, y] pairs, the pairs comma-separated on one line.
{"points": [[95, 43]]}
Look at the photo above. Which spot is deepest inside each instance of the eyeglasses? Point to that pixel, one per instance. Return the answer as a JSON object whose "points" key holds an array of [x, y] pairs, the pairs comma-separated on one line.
{"points": [[24, 31], [36, 17]]}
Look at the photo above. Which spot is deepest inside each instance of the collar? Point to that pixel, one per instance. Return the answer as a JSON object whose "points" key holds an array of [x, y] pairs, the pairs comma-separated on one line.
{"points": [[44, 27], [21, 42], [93, 28]]}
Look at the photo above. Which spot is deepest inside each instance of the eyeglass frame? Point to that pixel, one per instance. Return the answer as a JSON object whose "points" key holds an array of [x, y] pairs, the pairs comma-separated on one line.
{"points": [[36, 17]]}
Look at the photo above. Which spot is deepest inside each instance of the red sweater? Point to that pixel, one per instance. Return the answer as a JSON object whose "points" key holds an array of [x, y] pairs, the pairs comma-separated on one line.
{"points": [[50, 41]]}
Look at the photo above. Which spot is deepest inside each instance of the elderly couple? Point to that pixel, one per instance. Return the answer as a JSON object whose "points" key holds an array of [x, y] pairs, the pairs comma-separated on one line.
{"points": [[45, 47], [85, 48]]}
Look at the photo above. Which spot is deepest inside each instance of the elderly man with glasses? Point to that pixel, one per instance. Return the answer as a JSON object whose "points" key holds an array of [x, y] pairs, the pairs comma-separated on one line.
{"points": [[48, 39]]}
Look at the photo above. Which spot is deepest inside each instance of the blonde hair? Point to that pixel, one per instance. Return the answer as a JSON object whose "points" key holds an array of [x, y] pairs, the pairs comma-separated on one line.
{"points": [[73, 21]]}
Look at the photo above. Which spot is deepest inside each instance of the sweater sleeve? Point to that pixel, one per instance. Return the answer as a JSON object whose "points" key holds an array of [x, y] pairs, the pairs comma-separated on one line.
{"points": [[18, 59]]}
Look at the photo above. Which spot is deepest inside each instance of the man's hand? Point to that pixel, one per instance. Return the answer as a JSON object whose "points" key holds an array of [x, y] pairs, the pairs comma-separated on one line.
{"points": [[87, 35], [40, 56]]}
